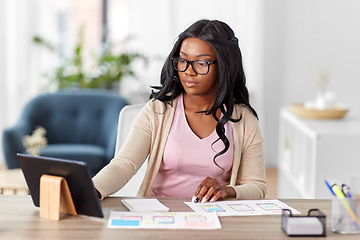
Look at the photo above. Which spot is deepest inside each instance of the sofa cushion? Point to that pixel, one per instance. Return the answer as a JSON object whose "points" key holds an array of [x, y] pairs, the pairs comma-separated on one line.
{"points": [[93, 155]]}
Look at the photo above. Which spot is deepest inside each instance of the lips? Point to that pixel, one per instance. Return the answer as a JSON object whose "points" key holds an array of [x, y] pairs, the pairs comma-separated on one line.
{"points": [[190, 83]]}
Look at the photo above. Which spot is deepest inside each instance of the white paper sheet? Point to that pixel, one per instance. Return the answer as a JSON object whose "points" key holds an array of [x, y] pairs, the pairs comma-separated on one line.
{"points": [[242, 207], [144, 205], [164, 220]]}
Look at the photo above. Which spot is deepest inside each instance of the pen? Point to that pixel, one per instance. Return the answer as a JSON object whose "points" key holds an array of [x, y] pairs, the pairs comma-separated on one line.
{"points": [[346, 190], [346, 205], [195, 199], [328, 185]]}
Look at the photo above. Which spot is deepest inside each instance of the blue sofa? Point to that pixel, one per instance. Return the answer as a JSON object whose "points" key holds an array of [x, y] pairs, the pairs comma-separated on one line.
{"points": [[80, 125]]}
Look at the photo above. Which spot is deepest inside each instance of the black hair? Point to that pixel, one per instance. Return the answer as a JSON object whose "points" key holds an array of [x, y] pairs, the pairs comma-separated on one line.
{"points": [[231, 81]]}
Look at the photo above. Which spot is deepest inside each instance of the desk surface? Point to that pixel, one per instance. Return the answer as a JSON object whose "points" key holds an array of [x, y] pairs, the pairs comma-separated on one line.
{"points": [[19, 219]]}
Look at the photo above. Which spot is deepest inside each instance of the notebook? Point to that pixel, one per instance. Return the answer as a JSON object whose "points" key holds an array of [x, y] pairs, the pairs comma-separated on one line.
{"points": [[144, 205]]}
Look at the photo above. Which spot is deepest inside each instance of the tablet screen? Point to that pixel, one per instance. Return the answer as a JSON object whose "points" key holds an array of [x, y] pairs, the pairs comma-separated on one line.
{"points": [[76, 174]]}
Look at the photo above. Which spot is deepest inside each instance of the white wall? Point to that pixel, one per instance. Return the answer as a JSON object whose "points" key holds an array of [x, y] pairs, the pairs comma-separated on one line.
{"points": [[300, 37], [324, 34]]}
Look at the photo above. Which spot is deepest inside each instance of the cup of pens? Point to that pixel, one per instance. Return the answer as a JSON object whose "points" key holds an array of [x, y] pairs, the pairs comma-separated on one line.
{"points": [[346, 208]]}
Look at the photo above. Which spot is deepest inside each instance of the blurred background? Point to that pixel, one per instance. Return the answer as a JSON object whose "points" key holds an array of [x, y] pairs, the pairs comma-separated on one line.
{"points": [[284, 44]]}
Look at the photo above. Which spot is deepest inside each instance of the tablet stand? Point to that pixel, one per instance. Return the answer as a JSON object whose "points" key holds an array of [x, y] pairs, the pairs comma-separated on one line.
{"points": [[55, 197]]}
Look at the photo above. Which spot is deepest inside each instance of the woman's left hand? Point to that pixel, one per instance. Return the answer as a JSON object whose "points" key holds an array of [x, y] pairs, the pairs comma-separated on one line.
{"points": [[210, 190]]}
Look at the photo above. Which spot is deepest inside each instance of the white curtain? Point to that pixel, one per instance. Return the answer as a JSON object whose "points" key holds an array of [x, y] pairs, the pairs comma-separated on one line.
{"points": [[22, 65]]}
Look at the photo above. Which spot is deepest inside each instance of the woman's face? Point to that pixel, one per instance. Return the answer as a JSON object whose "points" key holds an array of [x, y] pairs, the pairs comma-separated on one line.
{"points": [[196, 84]]}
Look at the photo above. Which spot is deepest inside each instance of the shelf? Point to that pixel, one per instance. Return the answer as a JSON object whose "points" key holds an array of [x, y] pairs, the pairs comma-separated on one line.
{"points": [[311, 151]]}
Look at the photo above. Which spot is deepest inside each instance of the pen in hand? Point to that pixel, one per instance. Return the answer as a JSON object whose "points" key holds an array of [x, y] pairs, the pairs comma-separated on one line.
{"points": [[195, 199], [209, 190]]}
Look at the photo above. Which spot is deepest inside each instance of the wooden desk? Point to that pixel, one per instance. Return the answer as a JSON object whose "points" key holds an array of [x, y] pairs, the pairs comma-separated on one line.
{"points": [[19, 219]]}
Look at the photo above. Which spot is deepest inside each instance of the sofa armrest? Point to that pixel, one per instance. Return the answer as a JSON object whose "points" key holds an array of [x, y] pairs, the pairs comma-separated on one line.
{"points": [[12, 143]]}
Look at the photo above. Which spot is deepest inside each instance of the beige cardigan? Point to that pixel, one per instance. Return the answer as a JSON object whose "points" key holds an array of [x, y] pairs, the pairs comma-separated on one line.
{"points": [[148, 136]]}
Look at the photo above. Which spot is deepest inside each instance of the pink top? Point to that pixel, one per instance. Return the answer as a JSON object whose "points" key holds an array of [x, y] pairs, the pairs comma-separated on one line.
{"points": [[188, 160]]}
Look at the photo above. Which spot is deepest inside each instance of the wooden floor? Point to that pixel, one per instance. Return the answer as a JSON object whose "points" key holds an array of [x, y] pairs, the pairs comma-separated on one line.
{"points": [[271, 182], [12, 182]]}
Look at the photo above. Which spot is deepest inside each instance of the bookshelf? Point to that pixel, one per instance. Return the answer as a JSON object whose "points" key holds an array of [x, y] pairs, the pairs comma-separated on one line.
{"points": [[311, 151]]}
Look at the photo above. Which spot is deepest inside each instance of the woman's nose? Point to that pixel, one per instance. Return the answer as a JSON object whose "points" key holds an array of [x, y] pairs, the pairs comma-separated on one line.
{"points": [[190, 70]]}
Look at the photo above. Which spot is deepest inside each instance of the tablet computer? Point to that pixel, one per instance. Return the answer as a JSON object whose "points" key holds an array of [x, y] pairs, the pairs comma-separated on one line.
{"points": [[76, 174]]}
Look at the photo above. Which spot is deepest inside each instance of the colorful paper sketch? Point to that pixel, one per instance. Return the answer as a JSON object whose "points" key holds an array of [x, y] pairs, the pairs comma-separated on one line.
{"points": [[132, 218], [212, 208], [242, 207], [121, 222], [164, 220], [270, 207], [195, 218]]}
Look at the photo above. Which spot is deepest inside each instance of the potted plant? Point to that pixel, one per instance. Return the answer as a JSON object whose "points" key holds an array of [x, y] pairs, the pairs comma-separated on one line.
{"points": [[106, 71]]}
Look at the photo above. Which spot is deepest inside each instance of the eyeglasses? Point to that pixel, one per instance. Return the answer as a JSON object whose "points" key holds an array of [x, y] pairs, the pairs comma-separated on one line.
{"points": [[199, 66]]}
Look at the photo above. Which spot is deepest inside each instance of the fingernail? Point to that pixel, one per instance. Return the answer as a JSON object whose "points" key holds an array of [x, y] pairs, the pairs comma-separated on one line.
{"points": [[197, 200], [203, 200], [193, 199]]}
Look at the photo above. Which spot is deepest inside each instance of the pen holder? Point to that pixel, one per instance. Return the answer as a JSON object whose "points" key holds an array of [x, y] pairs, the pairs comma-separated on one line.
{"points": [[345, 215]]}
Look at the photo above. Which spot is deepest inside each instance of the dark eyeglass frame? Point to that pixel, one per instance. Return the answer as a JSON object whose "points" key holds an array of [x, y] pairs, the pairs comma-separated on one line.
{"points": [[176, 60]]}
